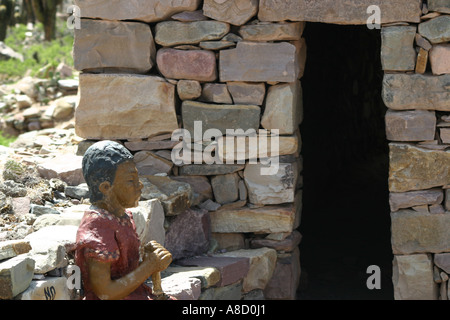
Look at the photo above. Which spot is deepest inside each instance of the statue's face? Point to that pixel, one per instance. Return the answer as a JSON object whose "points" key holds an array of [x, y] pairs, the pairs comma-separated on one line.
{"points": [[126, 188]]}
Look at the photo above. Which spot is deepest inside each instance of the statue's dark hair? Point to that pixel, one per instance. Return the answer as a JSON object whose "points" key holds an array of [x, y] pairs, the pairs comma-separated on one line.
{"points": [[100, 163]]}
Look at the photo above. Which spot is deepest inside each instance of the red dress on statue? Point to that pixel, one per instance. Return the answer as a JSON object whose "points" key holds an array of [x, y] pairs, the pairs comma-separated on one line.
{"points": [[104, 237]]}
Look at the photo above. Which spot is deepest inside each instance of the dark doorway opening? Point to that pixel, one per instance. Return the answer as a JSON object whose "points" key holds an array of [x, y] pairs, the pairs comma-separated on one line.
{"points": [[345, 221]]}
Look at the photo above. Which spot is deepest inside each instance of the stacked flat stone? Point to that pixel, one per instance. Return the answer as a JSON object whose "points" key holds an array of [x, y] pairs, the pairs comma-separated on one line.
{"points": [[171, 67], [237, 64], [416, 61]]}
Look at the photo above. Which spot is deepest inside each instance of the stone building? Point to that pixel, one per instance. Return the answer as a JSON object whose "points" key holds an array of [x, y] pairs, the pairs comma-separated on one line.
{"points": [[349, 101]]}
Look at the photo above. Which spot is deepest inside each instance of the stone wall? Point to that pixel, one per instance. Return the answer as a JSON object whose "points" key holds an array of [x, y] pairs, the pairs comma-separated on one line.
{"points": [[416, 60], [151, 67]]}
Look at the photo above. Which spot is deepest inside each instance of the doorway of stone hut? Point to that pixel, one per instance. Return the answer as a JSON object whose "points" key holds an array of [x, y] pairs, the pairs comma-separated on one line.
{"points": [[346, 219]]}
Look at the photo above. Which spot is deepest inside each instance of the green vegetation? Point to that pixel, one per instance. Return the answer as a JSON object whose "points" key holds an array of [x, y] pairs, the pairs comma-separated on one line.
{"points": [[37, 53], [6, 140]]}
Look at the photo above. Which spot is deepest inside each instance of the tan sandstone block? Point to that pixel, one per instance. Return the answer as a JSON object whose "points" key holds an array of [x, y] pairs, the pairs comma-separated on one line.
{"points": [[172, 33], [272, 31], [413, 168], [338, 11], [236, 12], [102, 46], [413, 278], [417, 232], [123, 106], [412, 125], [142, 10], [267, 219], [262, 266], [283, 108], [260, 62], [440, 59], [416, 91]]}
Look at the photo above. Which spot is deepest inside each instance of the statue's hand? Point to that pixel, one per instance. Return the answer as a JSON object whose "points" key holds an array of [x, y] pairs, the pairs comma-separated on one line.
{"points": [[157, 256]]}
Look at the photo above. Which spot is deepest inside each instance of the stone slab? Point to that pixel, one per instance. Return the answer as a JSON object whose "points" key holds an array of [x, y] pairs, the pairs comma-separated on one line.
{"points": [[271, 189], [272, 31], [232, 269], [412, 125], [120, 106], [200, 186], [65, 235], [229, 241], [209, 169], [288, 244], [66, 167], [142, 10], [148, 163], [149, 220], [397, 48], [259, 62], [208, 276], [267, 219], [12, 248], [416, 232], [111, 46], [189, 234], [436, 30], [197, 65], [283, 108], [262, 266], [215, 93], [48, 255], [402, 200], [51, 288], [15, 276], [219, 116], [440, 59], [338, 11], [188, 16], [225, 188], [181, 287], [175, 196], [230, 292], [236, 12], [414, 168], [416, 91], [439, 6], [442, 260], [189, 89], [73, 215], [247, 93], [231, 149], [173, 33], [413, 278], [285, 279]]}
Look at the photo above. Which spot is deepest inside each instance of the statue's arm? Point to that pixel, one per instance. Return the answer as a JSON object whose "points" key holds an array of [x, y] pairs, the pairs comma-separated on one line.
{"points": [[107, 289]]}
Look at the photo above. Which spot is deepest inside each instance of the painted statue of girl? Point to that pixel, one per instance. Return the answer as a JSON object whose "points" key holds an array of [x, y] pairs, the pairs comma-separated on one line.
{"points": [[107, 249]]}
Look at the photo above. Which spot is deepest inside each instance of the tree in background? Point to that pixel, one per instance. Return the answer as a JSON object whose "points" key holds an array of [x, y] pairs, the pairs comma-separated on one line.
{"points": [[45, 12], [25, 13], [6, 16]]}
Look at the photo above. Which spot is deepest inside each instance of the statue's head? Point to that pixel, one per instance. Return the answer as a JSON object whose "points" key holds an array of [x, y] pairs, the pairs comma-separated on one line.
{"points": [[100, 164]]}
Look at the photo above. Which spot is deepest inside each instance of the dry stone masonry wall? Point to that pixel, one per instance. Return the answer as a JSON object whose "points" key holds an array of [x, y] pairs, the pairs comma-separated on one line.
{"points": [[215, 63], [237, 64], [150, 67], [416, 61]]}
